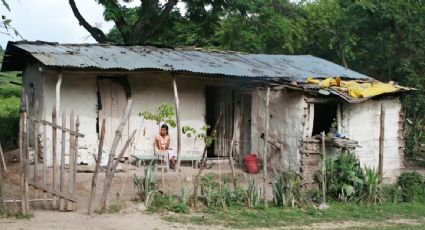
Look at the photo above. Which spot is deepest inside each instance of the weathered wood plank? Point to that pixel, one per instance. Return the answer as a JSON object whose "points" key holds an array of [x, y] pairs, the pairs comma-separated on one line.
{"points": [[53, 125], [58, 194]]}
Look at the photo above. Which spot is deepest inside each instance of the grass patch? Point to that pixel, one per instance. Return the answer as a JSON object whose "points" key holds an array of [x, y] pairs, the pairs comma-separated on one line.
{"points": [[24, 216], [275, 217], [111, 209]]}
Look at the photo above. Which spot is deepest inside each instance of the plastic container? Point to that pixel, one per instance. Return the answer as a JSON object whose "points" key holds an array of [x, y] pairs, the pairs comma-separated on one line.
{"points": [[251, 163]]}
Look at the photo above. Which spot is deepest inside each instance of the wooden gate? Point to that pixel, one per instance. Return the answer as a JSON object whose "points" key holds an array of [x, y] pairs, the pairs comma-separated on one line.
{"points": [[41, 180]]}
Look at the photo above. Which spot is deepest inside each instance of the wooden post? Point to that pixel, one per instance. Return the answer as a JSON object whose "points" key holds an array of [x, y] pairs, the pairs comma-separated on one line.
{"points": [[265, 145], [36, 154], [117, 138], [21, 150], [323, 168], [74, 172], [177, 104], [2, 158], [62, 168], [24, 152], [381, 143], [3, 206], [44, 158], [71, 160], [58, 94], [232, 144], [54, 160], [108, 180], [96, 169]]}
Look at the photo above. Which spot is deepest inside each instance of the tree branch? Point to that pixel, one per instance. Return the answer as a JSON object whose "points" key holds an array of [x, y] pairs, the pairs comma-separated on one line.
{"points": [[118, 19], [158, 21], [97, 34]]}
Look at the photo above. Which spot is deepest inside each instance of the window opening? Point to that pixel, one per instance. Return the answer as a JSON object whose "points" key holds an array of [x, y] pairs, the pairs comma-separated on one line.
{"points": [[325, 118]]}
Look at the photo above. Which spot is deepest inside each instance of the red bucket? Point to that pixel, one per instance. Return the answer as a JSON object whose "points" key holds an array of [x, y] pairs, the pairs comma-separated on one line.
{"points": [[251, 163]]}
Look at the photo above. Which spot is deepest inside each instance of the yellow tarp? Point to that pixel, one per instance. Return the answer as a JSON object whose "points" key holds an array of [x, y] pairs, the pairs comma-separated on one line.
{"points": [[356, 89]]}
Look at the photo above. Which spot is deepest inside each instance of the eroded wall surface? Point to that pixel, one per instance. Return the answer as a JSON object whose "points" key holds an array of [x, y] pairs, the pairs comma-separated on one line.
{"points": [[286, 126], [362, 123]]}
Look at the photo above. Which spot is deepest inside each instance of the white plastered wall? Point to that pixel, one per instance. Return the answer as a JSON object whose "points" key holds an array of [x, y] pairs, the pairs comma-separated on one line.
{"points": [[362, 123], [150, 89], [286, 126]]}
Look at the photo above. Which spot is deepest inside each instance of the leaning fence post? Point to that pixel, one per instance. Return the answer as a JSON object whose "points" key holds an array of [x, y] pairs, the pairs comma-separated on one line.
{"points": [[117, 138], [96, 169]]}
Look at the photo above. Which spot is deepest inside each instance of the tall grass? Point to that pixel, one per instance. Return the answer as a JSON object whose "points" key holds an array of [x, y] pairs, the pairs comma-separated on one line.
{"points": [[9, 110]]}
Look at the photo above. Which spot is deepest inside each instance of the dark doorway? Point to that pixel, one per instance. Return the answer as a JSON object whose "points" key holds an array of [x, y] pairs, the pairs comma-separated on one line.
{"points": [[217, 100], [324, 116], [211, 116]]}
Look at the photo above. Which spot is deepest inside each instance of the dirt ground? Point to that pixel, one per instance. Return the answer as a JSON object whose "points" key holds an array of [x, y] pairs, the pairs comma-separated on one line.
{"points": [[134, 216]]}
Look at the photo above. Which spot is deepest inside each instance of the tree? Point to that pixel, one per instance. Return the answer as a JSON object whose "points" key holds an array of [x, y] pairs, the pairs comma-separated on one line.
{"points": [[137, 25], [6, 23]]}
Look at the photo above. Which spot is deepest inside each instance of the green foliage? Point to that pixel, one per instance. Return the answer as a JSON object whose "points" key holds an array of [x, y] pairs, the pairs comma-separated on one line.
{"points": [[344, 177], [253, 194], [277, 217], [24, 216], [111, 209], [412, 187], [164, 114], [146, 186], [372, 193], [287, 190], [201, 134], [220, 194], [180, 208], [392, 193], [9, 111]]}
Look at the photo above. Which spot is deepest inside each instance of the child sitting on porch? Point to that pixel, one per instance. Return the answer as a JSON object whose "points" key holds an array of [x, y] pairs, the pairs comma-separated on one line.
{"points": [[162, 144]]}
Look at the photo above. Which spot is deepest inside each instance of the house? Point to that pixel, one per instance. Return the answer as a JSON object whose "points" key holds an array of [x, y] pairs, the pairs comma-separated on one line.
{"points": [[95, 80]]}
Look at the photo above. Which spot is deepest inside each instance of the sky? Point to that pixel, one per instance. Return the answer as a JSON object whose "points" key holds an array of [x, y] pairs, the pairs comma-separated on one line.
{"points": [[53, 20]]}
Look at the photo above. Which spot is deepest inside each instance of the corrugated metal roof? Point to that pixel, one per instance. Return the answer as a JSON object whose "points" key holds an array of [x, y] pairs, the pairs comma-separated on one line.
{"points": [[131, 58]]}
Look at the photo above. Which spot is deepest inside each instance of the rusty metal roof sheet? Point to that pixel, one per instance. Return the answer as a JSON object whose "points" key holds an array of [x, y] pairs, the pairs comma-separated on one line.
{"points": [[133, 58]]}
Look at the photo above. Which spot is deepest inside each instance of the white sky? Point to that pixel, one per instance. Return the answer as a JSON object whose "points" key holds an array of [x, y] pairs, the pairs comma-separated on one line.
{"points": [[53, 20]]}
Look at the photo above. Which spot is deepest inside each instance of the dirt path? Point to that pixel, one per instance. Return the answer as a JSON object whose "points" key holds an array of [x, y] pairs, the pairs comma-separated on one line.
{"points": [[132, 219]]}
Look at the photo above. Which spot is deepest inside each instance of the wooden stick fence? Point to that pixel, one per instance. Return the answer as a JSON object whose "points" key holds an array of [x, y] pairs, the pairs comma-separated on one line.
{"points": [[66, 197]]}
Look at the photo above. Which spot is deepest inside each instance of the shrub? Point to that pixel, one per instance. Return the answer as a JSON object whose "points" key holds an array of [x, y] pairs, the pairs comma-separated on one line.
{"points": [[392, 193], [146, 187], [287, 190], [412, 186], [220, 194], [253, 194], [372, 193], [344, 177]]}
